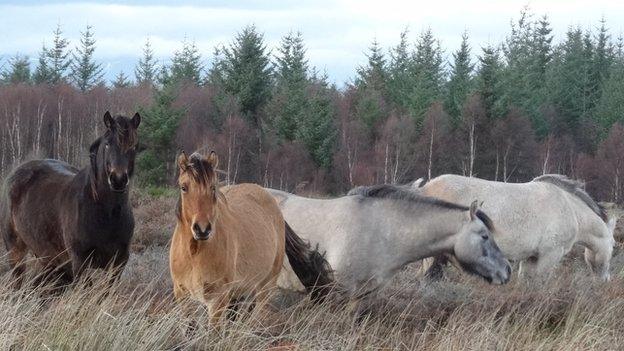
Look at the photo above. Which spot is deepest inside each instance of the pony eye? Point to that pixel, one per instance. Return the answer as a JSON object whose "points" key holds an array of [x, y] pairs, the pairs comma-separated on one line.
{"points": [[183, 188], [484, 236]]}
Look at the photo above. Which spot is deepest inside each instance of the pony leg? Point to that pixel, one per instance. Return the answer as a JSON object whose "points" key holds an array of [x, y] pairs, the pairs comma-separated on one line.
{"points": [[217, 307], [599, 259], [546, 264], [17, 253]]}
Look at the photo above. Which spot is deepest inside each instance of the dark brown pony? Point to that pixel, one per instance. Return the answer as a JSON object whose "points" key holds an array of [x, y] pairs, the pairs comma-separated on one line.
{"points": [[71, 219]]}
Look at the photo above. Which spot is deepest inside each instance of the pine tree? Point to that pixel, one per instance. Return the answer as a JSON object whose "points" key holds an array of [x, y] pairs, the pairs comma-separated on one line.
{"points": [[400, 82], [18, 70], [371, 88], [374, 74], [602, 60], [289, 101], [186, 64], [146, 70], [161, 121], [540, 60], [85, 72], [121, 81], [460, 82], [316, 129], [610, 108], [428, 70], [488, 81], [247, 70], [42, 72], [58, 58]]}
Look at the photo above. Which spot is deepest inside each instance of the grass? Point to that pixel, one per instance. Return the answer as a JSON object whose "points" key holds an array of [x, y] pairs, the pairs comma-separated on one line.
{"points": [[570, 312]]}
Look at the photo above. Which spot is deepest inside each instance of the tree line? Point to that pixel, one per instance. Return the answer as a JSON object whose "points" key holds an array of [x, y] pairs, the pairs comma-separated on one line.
{"points": [[508, 111]]}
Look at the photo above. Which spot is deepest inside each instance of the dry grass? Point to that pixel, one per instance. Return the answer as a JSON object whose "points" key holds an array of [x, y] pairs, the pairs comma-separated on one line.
{"points": [[571, 312]]}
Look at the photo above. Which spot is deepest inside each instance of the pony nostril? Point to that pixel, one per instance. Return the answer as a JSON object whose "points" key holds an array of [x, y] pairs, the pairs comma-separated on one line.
{"points": [[508, 271], [196, 229], [208, 228]]}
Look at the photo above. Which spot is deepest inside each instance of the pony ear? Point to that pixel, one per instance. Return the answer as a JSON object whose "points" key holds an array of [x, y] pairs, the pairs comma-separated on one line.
{"points": [[474, 206], [213, 160], [182, 161], [109, 122], [136, 120]]}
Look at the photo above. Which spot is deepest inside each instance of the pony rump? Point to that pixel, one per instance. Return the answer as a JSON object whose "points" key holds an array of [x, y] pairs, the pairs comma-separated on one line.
{"points": [[309, 265]]}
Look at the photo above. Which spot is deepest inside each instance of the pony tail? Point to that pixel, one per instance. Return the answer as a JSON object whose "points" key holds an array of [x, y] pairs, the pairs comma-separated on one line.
{"points": [[309, 265]]}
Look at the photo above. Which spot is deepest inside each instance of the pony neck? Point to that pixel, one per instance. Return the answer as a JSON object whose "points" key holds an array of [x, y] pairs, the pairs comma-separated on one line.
{"points": [[431, 232]]}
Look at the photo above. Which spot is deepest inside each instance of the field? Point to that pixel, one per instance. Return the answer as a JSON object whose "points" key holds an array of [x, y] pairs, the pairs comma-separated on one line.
{"points": [[571, 312]]}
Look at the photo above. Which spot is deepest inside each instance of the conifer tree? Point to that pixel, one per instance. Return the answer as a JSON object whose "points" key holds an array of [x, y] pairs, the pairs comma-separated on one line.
{"points": [[58, 59], [85, 72], [460, 82], [186, 64], [248, 72], [18, 70], [146, 71], [121, 80], [42, 71], [289, 101]]}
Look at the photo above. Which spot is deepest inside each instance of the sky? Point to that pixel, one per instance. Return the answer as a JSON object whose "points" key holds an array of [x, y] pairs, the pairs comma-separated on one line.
{"points": [[336, 33]]}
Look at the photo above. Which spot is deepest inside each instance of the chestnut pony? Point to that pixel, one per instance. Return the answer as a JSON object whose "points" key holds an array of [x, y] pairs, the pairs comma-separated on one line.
{"points": [[229, 242], [71, 219]]}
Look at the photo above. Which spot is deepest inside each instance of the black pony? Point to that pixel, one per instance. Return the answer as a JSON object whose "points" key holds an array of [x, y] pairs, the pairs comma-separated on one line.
{"points": [[72, 219]]}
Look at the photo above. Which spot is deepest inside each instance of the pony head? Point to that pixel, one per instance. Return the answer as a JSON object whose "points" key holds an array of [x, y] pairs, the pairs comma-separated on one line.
{"points": [[199, 193], [476, 251], [112, 155]]}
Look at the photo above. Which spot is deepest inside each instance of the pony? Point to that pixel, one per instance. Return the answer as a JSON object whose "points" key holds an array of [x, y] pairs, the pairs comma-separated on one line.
{"points": [[540, 220], [229, 242], [72, 219], [371, 233]]}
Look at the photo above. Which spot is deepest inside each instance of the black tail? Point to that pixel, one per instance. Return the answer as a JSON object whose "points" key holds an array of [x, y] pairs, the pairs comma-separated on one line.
{"points": [[309, 265]]}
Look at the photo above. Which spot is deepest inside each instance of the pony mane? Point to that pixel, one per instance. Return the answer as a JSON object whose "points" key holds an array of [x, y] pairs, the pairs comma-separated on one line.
{"points": [[387, 191], [575, 188], [201, 170]]}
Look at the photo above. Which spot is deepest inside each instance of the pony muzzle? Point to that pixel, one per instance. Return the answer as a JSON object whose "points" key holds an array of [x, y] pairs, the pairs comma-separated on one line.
{"points": [[200, 233], [118, 182]]}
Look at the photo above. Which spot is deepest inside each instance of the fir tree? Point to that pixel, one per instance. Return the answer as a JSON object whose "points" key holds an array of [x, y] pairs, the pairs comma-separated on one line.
{"points": [[42, 73], [18, 70], [186, 64], [121, 81], [85, 72], [146, 71], [58, 57], [460, 82], [289, 102], [248, 72]]}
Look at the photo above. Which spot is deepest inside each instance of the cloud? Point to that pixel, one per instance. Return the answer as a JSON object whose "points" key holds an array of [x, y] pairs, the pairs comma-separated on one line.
{"points": [[337, 33]]}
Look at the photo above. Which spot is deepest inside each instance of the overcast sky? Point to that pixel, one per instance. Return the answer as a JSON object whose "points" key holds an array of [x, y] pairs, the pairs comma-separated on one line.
{"points": [[336, 33]]}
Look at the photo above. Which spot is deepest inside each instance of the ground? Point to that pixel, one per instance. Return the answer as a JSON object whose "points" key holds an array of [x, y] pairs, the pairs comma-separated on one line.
{"points": [[572, 311]]}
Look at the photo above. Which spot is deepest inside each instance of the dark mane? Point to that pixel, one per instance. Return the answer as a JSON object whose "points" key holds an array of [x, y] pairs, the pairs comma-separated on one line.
{"points": [[387, 191], [575, 188], [200, 170], [125, 135]]}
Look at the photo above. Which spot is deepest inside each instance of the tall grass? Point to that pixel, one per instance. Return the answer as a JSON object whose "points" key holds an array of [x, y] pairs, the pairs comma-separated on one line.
{"points": [[570, 312]]}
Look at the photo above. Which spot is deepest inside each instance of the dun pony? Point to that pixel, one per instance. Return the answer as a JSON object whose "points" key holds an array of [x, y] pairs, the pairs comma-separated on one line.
{"points": [[229, 242]]}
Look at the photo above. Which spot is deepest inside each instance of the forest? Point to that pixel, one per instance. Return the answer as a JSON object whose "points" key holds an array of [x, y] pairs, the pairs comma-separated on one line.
{"points": [[507, 111]]}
